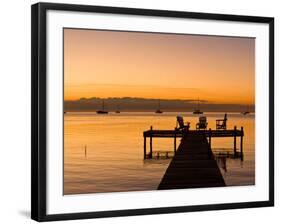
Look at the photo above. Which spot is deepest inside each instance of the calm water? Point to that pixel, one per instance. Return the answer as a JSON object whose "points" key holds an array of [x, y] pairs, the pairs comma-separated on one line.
{"points": [[114, 151]]}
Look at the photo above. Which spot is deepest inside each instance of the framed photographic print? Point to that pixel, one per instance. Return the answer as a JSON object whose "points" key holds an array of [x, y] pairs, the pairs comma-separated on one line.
{"points": [[139, 111]]}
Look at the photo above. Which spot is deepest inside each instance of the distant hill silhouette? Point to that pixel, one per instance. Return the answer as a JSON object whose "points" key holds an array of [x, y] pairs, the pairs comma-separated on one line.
{"points": [[143, 104]]}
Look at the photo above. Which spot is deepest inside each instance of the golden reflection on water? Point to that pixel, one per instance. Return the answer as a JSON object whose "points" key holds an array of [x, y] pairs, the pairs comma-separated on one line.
{"points": [[104, 153]]}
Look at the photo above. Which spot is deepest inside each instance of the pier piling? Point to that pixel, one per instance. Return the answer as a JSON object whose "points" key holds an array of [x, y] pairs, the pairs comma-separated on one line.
{"points": [[150, 144], [210, 140], [85, 151], [144, 147], [241, 143], [175, 141], [235, 151]]}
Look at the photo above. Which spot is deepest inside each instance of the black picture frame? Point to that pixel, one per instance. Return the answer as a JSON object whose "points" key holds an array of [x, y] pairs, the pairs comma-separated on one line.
{"points": [[38, 108]]}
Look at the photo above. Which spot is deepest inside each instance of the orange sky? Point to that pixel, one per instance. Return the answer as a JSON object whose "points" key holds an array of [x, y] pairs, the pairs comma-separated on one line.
{"points": [[162, 66]]}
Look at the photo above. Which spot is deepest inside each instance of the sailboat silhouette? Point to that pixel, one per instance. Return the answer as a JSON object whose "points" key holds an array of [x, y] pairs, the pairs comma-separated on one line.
{"points": [[246, 112], [102, 111], [117, 111], [158, 111], [198, 111]]}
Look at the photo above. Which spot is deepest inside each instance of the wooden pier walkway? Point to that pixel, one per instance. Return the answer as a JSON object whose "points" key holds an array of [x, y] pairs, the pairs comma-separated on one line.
{"points": [[193, 165]]}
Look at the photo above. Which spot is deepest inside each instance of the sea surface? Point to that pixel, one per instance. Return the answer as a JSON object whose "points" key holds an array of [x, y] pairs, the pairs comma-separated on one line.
{"points": [[104, 153]]}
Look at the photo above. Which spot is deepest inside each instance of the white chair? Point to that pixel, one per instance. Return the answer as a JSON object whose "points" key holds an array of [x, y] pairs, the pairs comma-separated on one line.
{"points": [[202, 124], [180, 124]]}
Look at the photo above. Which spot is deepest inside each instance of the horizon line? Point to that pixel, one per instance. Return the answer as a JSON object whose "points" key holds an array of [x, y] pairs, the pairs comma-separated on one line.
{"points": [[159, 99]]}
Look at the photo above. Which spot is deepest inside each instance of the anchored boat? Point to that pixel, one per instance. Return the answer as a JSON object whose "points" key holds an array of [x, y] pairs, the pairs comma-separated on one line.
{"points": [[102, 111]]}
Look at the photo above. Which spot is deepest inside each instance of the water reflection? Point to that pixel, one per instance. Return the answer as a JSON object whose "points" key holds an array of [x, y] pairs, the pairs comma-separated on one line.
{"points": [[105, 153], [223, 156]]}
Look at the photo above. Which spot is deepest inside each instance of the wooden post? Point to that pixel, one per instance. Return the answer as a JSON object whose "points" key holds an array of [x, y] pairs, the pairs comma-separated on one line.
{"points": [[241, 143], [235, 140], [210, 143], [175, 141], [144, 146], [85, 151], [150, 153]]}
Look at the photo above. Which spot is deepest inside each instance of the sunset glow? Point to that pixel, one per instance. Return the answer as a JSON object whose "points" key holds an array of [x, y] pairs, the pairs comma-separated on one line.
{"points": [[161, 66]]}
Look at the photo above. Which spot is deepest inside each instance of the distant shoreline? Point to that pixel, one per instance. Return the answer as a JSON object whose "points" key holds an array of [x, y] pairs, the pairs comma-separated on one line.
{"points": [[189, 112], [131, 104]]}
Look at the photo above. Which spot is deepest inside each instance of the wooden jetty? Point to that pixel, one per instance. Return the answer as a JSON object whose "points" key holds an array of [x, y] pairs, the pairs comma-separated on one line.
{"points": [[193, 164], [209, 134]]}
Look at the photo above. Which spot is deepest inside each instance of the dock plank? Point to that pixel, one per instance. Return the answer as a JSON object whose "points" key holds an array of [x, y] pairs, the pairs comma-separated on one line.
{"points": [[193, 165]]}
